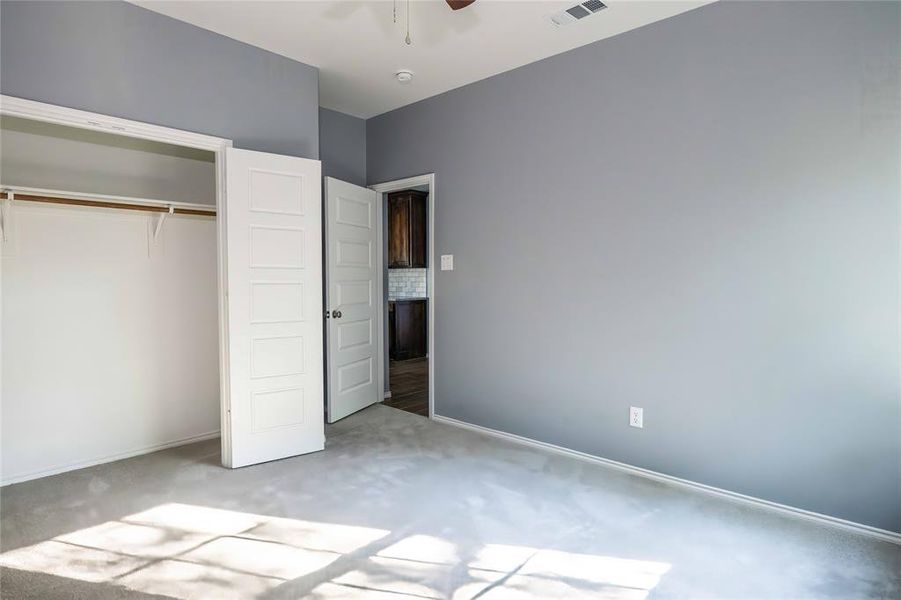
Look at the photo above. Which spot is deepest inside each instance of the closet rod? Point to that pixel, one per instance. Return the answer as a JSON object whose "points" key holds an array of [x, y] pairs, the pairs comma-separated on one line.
{"points": [[100, 201]]}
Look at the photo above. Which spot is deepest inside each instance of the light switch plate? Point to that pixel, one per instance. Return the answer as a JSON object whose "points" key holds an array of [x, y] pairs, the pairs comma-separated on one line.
{"points": [[447, 262]]}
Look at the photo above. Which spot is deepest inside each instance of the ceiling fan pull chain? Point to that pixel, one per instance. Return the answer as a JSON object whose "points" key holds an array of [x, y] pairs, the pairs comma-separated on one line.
{"points": [[407, 40]]}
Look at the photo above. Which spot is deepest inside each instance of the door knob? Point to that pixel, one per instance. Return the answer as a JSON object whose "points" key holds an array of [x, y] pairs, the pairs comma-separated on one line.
{"points": [[336, 314]]}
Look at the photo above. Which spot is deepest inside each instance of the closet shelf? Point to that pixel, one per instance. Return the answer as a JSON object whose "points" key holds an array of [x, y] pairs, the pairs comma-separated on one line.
{"points": [[27, 194]]}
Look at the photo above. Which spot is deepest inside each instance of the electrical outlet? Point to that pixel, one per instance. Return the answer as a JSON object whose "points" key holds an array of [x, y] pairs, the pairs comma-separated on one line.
{"points": [[636, 416], [447, 262]]}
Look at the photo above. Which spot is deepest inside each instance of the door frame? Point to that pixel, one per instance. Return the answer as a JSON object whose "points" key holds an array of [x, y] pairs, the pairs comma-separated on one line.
{"points": [[396, 186], [60, 115]]}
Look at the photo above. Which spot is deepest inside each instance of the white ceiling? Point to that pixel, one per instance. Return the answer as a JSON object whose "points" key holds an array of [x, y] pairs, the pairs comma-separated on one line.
{"points": [[358, 47]]}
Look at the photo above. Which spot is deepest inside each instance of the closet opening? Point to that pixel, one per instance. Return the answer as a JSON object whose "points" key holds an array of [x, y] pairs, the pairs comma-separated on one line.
{"points": [[110, 328]]}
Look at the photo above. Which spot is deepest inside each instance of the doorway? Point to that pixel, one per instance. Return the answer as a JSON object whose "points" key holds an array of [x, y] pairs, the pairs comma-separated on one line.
{"points": [[359, 320], [409, 293]]}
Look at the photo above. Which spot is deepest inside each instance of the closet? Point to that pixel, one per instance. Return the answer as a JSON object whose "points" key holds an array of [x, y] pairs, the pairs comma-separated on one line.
{"points": [[159, 287], [110, 331]]}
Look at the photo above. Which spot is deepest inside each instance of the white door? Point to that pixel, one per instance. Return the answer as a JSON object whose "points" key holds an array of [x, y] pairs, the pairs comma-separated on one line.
{"points": [[353, 298], [273, 266]]}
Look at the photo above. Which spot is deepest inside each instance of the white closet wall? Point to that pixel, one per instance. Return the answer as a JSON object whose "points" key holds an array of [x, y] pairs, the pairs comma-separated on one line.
{"points": [[44, 155], [109, 346]]}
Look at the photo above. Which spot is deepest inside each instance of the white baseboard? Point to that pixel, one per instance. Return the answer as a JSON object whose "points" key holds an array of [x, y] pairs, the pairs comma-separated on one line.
{"points": [[874, 532], [105, 459]]}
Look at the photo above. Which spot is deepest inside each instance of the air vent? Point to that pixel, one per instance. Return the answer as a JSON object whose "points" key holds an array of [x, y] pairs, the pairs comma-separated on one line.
{"points": [[579, 11]]}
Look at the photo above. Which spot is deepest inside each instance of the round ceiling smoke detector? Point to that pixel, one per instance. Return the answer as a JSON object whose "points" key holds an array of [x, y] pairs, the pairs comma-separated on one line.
{"points": [[404, 76]]}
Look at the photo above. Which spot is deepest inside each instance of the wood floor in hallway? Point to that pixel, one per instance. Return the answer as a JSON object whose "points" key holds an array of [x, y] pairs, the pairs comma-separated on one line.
{"points": [[409, 380]]}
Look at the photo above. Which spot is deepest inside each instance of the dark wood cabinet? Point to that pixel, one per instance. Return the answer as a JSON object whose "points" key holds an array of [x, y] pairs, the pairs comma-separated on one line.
{"points": [[407, 329], [407, 227]]}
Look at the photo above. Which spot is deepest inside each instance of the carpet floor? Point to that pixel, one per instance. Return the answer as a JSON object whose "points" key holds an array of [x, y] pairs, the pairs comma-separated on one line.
{"points": [[399, 507]]}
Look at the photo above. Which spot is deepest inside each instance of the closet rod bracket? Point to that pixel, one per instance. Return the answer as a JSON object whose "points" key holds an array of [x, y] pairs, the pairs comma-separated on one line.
{"points": [[4, 214], [159, 221]]}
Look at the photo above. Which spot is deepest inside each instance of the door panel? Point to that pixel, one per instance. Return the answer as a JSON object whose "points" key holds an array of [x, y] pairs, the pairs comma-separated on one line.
{"points": [[354, 291], [274, 305]]}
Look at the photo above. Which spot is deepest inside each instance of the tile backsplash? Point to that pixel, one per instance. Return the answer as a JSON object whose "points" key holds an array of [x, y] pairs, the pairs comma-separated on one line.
{"points": [[407, 283]]}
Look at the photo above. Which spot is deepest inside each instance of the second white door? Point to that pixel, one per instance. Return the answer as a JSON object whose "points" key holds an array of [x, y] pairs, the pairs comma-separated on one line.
{"points": [[273, 262], [353, 298]]}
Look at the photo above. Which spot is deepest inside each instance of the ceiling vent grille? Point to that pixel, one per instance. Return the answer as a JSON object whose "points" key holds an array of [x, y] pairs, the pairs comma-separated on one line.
{"points": [[579, 11]]}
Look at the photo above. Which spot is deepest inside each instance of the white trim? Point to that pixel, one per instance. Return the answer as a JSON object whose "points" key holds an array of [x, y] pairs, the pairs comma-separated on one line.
{"points": [[388, 393], [49, 113], [109, 458], [403, 184], [874, 532], [222, 268], [60, 115], [380, 283]]}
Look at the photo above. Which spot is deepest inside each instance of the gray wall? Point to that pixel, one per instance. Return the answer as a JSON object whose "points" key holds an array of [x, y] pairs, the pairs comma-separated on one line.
{"points": [[118, 59], [699, 217], [342, 146]]}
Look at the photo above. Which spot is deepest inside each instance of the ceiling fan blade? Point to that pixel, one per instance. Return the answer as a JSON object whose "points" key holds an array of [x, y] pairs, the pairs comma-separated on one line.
{"points": [[458, 4]]}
